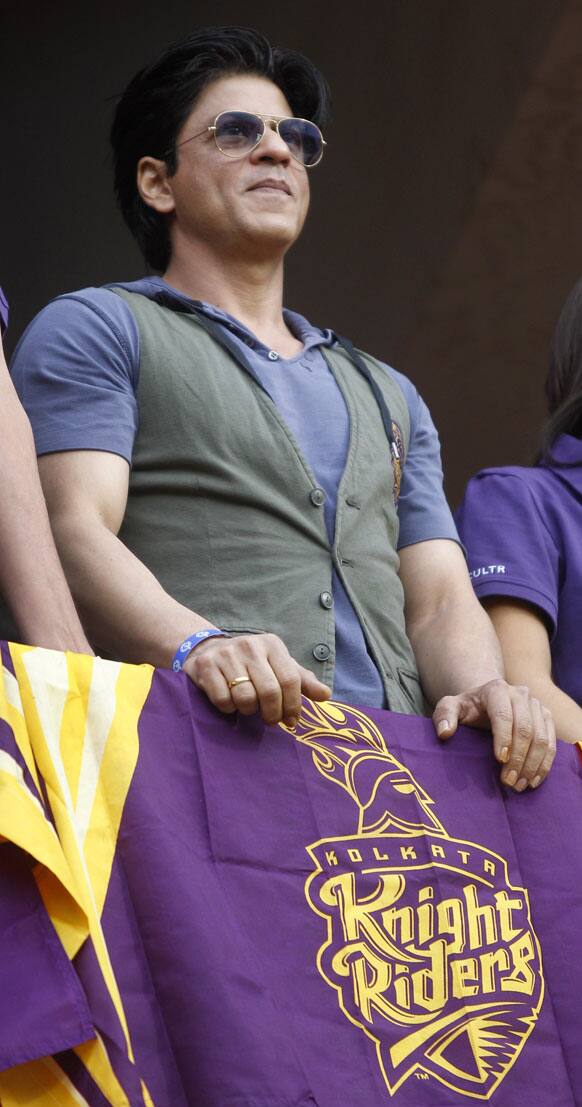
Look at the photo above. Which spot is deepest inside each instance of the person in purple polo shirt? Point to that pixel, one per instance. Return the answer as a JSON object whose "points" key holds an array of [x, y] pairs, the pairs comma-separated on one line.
{"points": [[227, 482], [522, 528], [31, 578]]}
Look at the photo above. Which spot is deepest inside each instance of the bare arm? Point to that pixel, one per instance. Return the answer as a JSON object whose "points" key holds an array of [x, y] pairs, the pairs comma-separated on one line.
{"points": [[128, 613], [442, 611], [526, 653], [460, 663], [31, 577]]}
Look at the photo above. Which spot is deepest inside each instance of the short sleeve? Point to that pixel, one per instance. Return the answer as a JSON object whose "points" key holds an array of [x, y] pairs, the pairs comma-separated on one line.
{"points": [[75, 370], [423, 511], [510, 550]]}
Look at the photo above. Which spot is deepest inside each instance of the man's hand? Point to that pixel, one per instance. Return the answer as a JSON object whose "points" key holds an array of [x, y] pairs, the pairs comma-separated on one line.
{"points": [[273, 682], [524, 738]]}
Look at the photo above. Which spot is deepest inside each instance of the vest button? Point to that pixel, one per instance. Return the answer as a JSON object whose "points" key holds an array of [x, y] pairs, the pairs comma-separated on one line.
{"points": [[317, 497], [326, 599], [321, 652]]}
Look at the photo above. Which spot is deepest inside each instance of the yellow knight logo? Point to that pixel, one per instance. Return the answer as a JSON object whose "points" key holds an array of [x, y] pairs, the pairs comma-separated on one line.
{"points": [[429, 947]]}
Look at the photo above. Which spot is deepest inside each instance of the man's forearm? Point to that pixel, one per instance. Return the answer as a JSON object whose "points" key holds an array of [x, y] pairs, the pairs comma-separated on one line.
{"points": [[32, 580], [456, 649], [129, 615], [126, 611], [461, 668]]}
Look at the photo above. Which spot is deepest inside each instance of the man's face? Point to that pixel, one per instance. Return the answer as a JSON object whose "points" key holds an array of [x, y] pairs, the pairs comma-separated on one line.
{"points": [[256, 204]]}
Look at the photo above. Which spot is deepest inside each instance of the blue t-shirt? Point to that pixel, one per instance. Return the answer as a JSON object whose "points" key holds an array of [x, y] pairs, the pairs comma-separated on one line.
{"points": [[76, 370], [522, 529]]}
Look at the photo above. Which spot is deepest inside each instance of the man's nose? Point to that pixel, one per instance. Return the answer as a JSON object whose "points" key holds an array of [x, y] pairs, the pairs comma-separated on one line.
{"points": [[272, 145]]}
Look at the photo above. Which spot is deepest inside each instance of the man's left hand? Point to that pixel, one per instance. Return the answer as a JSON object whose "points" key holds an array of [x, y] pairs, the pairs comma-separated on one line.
{"points": [[524, 738]]}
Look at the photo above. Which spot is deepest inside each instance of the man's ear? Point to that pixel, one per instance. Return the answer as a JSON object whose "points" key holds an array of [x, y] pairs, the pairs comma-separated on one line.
{"points": [[153, 184]]}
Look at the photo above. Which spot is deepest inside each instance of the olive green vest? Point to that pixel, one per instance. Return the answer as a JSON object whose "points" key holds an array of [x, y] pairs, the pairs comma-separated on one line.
{"points": [[226, 513]]}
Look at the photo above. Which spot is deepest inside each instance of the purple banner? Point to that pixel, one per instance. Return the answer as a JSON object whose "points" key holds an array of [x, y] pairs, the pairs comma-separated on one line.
{"points": [[350, 914]]}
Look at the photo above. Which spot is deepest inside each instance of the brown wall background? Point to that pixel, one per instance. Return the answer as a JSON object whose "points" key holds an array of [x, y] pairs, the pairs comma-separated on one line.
{"points": [[446, 223]]}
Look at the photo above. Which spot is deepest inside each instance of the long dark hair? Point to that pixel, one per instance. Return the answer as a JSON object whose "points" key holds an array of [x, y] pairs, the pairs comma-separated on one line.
{"points": [[160, 97], [564, 379]]}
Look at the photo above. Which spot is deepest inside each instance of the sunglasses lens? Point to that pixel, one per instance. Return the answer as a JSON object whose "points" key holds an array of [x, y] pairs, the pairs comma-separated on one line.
{"points": [[237, 132], [303, 138]]}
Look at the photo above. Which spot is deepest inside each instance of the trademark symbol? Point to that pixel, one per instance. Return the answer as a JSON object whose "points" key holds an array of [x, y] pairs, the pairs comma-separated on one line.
{"points": [[421, 1075]]}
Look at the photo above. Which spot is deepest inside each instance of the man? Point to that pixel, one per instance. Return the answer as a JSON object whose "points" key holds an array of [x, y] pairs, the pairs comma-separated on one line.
{"points": [[215, 464], [31, 577]]}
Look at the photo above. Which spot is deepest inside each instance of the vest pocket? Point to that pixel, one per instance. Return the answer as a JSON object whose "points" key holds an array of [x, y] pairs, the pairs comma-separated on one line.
{"points": [[244, 630]]}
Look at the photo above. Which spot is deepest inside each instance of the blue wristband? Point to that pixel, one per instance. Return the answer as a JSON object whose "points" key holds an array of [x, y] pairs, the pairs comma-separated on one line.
{"points": [[185, 649]]}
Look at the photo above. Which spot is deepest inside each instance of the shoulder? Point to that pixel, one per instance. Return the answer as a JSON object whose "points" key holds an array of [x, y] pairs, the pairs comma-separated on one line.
{"points": [[423, 509], [76, 370], [418, 412], [404, 382], [424, 439], [525, 474], [420, 417], [496, 487], [513, 548], [88, 326], [88, 309], [507, 512]]}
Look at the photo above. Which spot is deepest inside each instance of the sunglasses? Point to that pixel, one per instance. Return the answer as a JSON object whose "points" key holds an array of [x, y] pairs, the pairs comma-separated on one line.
{"points": [[236, 133]]}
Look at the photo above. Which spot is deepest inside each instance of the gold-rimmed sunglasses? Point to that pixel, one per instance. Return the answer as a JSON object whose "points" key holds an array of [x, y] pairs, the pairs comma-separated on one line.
{"points": [[236, 133]]}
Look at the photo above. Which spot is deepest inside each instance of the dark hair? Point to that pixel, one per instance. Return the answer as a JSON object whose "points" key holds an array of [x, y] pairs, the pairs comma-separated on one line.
{"points": [[564, 379], [160, 97]]}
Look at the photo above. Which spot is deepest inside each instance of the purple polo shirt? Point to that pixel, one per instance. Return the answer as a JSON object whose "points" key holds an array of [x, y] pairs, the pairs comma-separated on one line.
{"points": [[522, 529], [76, 370], [3, 312]]}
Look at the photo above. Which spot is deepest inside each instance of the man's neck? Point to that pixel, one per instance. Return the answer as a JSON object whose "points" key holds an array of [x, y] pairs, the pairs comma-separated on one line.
{"points": [[250, 291]]}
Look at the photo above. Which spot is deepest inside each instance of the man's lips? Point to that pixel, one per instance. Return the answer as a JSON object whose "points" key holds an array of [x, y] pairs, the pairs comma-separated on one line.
{"points": [[271, 183]]}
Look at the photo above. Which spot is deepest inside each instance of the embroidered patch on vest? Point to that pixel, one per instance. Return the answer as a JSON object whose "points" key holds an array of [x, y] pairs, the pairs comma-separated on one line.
{"points": [[397, 462]]}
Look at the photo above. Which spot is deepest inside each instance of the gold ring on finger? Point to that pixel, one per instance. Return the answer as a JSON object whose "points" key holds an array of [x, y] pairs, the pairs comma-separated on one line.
{"points": [[239, 680]]}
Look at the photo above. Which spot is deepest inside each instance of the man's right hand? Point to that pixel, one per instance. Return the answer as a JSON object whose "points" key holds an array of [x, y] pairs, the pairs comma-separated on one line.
{"points": [[273, 682]]}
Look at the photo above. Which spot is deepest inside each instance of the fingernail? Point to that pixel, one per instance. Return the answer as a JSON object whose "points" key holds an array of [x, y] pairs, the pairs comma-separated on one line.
{"points": [[511, 778], [292, 723], [536, 780], [521, 784], [504, 755], [443, 725]]}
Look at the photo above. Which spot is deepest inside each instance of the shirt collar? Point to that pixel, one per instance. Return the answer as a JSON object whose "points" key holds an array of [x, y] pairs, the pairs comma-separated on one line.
{"points": [[567, 450], [156, 288]]}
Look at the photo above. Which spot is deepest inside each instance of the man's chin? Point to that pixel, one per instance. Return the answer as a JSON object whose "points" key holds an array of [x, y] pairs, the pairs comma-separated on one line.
{"points": [[271, 234]]}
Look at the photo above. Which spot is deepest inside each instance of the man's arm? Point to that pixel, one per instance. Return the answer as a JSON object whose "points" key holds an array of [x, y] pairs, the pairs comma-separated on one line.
{"points": [[128, 613], [525, 643], [31, 577], [460, 663]]}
